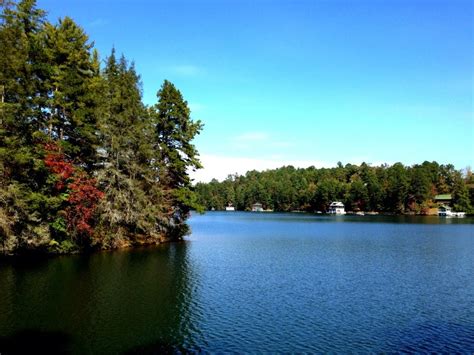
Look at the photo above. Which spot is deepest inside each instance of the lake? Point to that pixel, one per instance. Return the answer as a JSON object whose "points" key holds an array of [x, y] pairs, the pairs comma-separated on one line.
{"points": [[255, 282]]}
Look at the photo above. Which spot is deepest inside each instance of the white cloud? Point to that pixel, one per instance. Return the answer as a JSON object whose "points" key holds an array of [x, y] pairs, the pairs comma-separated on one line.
{"points": [[252, 137], [282, 144], [219, 167], [252, 140], [98, 22], [186, 70]]}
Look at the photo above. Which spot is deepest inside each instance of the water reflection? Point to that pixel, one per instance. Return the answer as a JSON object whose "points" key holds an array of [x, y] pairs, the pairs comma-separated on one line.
{"points": [[105, 302]]}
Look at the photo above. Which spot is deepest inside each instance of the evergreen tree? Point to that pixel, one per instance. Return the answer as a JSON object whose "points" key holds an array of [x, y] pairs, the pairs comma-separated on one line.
{"points": [[175, 131], [72, 90], [397, 188], [461, 199], [358, 195], [127, 211], [24, 201], [374, 189], [420, 188]]}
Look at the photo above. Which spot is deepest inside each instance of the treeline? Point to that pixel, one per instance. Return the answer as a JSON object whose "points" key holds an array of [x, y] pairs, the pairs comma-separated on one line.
{"points": [[83, 162], [390, 189]]}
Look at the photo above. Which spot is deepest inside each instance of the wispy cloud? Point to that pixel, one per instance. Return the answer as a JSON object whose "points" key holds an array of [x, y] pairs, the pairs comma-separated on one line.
{"points": [[98, 22], [219, 167], [252, 137], [282, 144], [187, 70], [251, 140]]}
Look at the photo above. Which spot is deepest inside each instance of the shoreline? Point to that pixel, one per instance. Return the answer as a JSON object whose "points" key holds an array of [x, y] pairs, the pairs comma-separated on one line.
{"points": [[349, 213], [41, 253]]}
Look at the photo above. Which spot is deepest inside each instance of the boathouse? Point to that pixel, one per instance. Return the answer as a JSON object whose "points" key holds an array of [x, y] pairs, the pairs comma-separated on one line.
{"points": [[444, 210], [336, 207]]}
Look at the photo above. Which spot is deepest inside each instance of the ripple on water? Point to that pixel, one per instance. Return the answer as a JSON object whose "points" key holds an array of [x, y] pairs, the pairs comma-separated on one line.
{"points": [[259, 283]]}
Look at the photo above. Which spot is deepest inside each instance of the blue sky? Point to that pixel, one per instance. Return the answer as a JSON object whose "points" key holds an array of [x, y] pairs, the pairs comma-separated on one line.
{"points": [[302, 82]]}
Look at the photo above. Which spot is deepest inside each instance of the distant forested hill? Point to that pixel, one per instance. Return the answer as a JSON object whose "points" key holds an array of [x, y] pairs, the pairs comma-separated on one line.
{"points": [[83, 162], [394, 189]]}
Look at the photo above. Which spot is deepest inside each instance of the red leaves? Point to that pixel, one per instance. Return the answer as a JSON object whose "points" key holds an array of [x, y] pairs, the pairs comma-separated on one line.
{"points": [[83, 195], [83, 199], [58, 165]]}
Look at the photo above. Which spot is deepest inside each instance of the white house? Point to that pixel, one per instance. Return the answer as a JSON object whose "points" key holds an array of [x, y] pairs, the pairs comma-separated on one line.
{"points": [[444, 210], [230, 207], [336, 207]]}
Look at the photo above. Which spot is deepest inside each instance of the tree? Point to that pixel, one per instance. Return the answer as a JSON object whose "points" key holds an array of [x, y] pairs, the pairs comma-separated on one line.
{"points": [[396, 188], [358, 195], [131, 207], [420, 188], [461, 199], [24, 200], [374, 189], [175, 131], [72, 90]]}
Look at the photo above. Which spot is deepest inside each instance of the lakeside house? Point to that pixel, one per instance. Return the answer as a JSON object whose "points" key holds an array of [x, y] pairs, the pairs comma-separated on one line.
{"points": [[444, 210], [443, 199], [230, 207], [336, 207], [257, 207]]}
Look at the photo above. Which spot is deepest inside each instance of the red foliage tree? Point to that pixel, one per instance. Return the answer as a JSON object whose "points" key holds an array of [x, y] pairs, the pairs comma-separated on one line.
{"points": [[83, 194], [82, 200], [58, 165]]}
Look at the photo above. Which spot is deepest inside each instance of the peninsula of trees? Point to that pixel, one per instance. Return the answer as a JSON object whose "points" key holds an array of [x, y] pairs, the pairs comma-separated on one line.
{"points": [[390, 189], [83, 162]]}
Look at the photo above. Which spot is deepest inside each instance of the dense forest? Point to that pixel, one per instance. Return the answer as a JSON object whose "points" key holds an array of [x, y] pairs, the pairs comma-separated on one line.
{"points": [[83, 162], [389, 189]]}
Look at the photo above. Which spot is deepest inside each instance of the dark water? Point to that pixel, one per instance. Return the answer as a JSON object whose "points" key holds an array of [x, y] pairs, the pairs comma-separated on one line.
{"points": [[248, 282]]}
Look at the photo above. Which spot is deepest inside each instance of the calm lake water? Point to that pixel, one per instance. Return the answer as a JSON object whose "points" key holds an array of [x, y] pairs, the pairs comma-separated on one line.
{"points": [[250, 282]]}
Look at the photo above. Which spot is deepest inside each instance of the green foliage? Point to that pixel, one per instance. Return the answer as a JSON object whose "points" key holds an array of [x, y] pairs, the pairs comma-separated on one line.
{"points": [[59, 225], [118, 174], [71, 80], [63, 247], [175, 154], [390, 189], [461, 196]]}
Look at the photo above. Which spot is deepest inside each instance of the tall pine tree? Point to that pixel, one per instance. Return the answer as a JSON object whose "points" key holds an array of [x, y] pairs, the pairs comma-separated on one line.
{"points": [[175, 131]]}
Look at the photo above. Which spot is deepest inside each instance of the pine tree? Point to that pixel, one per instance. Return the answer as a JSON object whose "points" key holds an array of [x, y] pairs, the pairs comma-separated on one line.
{"points": [[131, 208], [396, 188], [24, 201], [461, 199], [175, 131], [72, 90], [38, 54]]}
